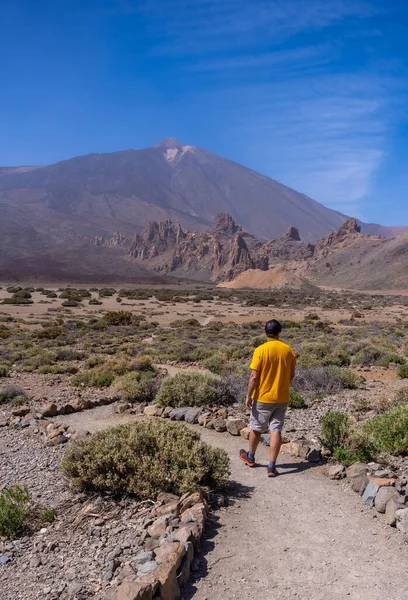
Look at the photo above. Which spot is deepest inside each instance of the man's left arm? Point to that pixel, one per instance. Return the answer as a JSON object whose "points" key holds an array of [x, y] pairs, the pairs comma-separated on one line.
{"points": [[253, 380]]}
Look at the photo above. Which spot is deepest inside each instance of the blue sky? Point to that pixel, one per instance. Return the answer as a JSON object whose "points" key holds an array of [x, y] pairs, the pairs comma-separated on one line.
{"points": [[312, 93]]}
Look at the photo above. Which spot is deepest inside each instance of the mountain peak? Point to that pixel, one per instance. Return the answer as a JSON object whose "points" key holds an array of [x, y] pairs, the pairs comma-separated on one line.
{"points": [[169, 144]]}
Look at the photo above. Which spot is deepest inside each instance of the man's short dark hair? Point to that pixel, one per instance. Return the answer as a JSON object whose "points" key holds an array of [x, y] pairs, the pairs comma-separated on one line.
{"points": [[273, 327]]}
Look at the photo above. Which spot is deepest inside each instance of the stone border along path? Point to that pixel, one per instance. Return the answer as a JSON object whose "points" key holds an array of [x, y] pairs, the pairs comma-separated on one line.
{"points": [[297, 536]]}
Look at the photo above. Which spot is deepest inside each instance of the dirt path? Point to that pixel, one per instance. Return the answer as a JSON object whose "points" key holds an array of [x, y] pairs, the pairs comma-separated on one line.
{"points": [[298, 536]]}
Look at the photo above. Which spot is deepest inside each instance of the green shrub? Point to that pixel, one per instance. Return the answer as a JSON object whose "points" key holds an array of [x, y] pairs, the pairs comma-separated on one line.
{"points": [[348, 456], [95, 302], [117, 318], [397, 359], [133, 387], [401, 397], [296, 400], [48, 515], [388, 432], [93, 378], [144, 459], [4, 370], [190, 388], [335, 429], [70, 303], [14, 501], [10, 392], [370, 355], [349, 380], [402, 371]]}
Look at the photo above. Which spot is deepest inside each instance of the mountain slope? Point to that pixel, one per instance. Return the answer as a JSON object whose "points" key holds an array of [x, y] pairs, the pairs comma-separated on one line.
{"points": [[79, 216], [124, 190]]}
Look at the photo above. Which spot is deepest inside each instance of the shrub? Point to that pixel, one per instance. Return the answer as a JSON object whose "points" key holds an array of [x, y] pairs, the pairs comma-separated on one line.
{"points": [[316, 381], [232, 389], [369, 355], [348, 379], [9, 392], [117, 318], [95, 302], [296, 400], [190, 388], [401, 397], [93, 378], [402, 371], [144, 459], [348, 456], [4, 370], [48, 515], [397, 359], [132, 387], [335, 429], [68, 354], [70, 303], [14, 501], [388, 432]]}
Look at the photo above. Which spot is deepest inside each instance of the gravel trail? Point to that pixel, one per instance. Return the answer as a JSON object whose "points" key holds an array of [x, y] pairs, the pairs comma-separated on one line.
{"points": [[300, 536], [297, 536]]}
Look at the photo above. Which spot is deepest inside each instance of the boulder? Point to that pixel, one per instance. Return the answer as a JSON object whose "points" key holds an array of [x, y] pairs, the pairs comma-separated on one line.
{"points": [[159, 527], [314, 455], [167, 411], [402, 520], [49, 410], [134, 590], [234, 426], [122, 407], [222, 412], [153, 410], [337, 472], [192, 414], [202, 418], [383, 496], [391, 511], [177, 414], [68, 409], [357, 475], [383, 481], [21, 411], [370, 493], [220, 424]]}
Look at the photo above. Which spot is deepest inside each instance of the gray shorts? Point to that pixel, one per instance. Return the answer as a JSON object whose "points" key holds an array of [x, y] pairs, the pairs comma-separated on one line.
{"points": [[265, 415]]}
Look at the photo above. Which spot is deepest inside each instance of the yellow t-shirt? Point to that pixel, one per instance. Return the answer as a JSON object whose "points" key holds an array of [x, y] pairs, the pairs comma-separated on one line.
{"points": [[274, 360]]}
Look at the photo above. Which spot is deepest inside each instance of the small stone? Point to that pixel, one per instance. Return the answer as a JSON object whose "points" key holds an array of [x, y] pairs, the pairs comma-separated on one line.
{"points": [[142, 557], [337, 472], [159, 526], [192, 414], [167, 411], [222, 412], [391, 511], [235, 426], [383, 496], [402, 520], [202, 418], [49, 410], [152, 544], [370, 493], [314, 455], [21, 411], [382, 482], [220, 425], [122, 407], [134, 590], [4, 559], [108, 575], [153, 410], [177, 414], [146, 567]]}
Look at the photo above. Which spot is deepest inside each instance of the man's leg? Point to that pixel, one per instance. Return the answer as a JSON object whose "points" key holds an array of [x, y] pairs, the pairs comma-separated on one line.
{"points": [[275, 428], [275, 445], [257, 423], [254, 439]]}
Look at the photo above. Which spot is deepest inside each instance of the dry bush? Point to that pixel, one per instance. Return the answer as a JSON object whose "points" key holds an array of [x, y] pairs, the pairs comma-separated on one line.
{"points": [[144, 459]]}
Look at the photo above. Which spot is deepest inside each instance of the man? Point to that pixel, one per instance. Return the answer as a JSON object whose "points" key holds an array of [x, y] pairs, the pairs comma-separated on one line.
{"points": [[272, 370]]}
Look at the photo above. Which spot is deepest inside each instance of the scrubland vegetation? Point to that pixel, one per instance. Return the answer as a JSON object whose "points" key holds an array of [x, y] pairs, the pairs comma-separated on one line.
{"points": [[121, 351]]}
